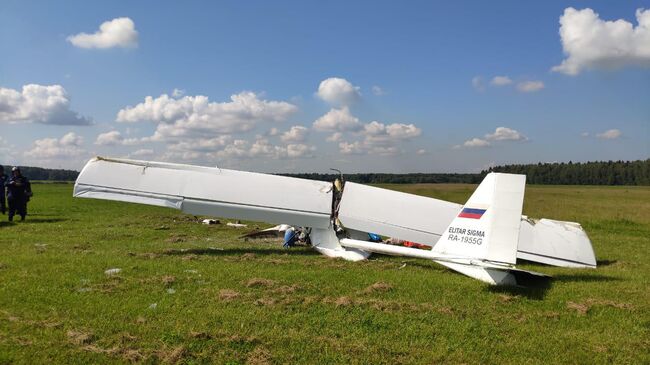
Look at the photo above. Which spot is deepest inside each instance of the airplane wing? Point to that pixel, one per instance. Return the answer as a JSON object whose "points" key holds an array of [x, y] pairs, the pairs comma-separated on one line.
{"points": [[208, 191]]}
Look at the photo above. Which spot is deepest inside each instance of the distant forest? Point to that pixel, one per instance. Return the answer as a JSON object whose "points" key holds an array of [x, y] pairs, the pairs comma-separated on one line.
{"points": [[39, 173], [587, 173]]}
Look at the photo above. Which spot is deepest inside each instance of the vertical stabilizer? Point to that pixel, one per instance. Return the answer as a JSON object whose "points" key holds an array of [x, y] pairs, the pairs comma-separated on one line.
{"points": [[487, 227]]}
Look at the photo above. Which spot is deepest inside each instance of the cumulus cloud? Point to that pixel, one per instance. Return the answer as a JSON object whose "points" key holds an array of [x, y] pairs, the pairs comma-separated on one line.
{"points": [[500, 134], [111, 138], [262, 148], [501, 81], [295, 134], [592, 43], [476, 142], [142, 152], [197, 117], [530, 86], [119, 32], [334, 137], [338, 120], [505, 134], [70, 145], [38, 104], [338, 91], [609, 134]]}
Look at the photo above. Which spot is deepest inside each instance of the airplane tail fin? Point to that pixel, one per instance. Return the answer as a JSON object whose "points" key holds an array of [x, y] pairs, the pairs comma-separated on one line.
{"points": [[487, 227], [481, 242]]}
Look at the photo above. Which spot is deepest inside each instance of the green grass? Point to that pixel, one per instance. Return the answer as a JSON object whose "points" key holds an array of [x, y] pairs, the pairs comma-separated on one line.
{"points": [[58, 306]]}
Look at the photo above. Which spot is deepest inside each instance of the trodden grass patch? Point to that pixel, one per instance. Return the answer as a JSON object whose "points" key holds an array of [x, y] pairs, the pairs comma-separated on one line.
{"points": [[184, 292]]}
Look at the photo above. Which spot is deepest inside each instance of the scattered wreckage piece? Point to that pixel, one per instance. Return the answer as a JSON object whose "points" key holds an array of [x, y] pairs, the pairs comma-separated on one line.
{"points": [[482, 239]]}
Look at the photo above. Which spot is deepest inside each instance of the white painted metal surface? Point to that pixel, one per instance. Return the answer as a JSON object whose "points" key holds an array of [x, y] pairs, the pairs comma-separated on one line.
{"points": [[208, 191], [395, 214], [555, 243], [423, 220]]}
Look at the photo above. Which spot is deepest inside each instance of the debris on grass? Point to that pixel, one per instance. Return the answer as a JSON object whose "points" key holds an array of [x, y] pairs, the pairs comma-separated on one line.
{"points": [[259, 282], [153, 306], [171, 291], [78, 337], [378, 287], [505, 298], [227, 295], [236, 225], [191, 271], [174, 356], [168, 280], [40, 247], [343, 302], [200, 335], [140, 320], [189, 257], [286, 289], [259, 356], [581, 308], [211, 221], [113, 271], [162, 228]]}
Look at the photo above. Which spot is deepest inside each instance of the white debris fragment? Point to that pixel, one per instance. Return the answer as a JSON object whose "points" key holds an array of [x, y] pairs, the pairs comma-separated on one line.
{"points": [[216, 248], [192, 271], [171, 291], [153, 306], [236, 225], [114, 271], [210, 221]]}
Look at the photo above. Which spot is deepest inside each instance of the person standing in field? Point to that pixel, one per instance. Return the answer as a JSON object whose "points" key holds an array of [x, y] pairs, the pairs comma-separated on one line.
{"points": [[3, 180], [19, 190]]}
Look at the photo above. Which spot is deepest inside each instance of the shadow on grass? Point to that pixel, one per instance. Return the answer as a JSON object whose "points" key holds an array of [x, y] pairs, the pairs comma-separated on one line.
{"points": [[568, 278], [605, 262], [240, 251], [530, 292], [6, 223], [43, 220]]}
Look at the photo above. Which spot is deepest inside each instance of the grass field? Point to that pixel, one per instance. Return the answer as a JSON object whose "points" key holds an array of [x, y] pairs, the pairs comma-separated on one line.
{"points": [[190, 293]]}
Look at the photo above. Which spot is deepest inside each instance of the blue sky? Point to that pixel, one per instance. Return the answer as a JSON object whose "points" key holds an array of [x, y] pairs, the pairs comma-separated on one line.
{"points": [[423, 71]]}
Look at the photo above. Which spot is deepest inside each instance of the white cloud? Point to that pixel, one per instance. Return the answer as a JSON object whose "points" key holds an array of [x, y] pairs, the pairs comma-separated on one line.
{"points": [[501, 81], [530, 86], [421, 151], [335, 137], [119, 32], [262, 148], [295, 134], [609, 134], [500, 134], [142, 152], [38, 104], [273, 132], [51, 148], [584, 134], [592, 43], [476, 142], [355, 148], [111, 138], [477, 83], [340, 120], [196, 116], [201, 144], [338, 91], [378, 91], [505, 134], [377, 133]]}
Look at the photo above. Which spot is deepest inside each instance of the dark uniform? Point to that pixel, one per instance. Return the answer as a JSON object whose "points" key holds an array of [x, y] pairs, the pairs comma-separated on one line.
{"points": [[18, 192], [3, 180]]}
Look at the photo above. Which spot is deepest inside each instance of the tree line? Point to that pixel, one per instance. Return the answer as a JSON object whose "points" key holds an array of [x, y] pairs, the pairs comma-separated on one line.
{"points": [[578, 173]]}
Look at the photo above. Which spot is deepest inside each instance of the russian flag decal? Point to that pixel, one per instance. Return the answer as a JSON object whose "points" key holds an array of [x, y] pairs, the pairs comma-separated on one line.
{"points": [[473, 213]]}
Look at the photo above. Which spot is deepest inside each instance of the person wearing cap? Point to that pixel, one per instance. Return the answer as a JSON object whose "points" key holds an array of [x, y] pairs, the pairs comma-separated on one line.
{"points": [[3, 180], [19, 190]]}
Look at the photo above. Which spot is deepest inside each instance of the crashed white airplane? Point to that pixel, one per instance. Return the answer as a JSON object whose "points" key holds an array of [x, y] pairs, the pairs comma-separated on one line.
{"points": [[482, 239]]}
